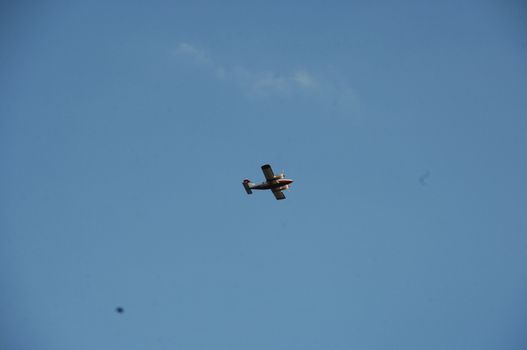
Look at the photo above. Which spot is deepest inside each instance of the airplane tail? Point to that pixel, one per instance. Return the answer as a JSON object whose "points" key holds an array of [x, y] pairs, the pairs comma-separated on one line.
{"points": [[247, 185]]}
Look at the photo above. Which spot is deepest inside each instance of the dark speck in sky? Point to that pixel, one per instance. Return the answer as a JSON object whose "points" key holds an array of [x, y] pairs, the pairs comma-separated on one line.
{"points": [[119, 310], [423, 179]]}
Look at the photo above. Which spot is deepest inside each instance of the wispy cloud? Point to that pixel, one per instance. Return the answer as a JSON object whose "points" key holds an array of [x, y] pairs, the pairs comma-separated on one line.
{"points": [[269, 83], [253, 82], [188, 50], [304, 79], [261, 83]]}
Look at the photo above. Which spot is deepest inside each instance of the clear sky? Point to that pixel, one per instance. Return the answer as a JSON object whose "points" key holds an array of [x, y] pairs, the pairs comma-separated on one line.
{"points": [[126, 129]]}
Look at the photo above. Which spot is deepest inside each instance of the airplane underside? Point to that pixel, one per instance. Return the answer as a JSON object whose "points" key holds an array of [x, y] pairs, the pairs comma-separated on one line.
{"points": [[268, 186], [274, 183]]}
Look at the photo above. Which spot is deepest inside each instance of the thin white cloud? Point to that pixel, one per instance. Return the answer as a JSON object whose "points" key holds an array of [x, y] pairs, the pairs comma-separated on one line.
{"points": [[304, 79], [253, 83], [269, 83], [200, 56]]}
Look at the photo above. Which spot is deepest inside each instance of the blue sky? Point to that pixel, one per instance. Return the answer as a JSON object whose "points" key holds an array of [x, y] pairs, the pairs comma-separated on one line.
{"points": [[126, 130]]}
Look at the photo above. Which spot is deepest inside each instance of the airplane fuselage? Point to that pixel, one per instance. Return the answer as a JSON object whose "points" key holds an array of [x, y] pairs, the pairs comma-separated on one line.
{"points": [[271, 184]]}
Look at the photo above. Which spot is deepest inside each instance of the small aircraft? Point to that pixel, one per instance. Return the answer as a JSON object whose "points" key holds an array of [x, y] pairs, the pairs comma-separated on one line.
{"points": [[275, 183]]}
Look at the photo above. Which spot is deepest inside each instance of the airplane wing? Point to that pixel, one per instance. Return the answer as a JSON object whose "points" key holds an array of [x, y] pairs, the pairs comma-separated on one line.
{"points": [[279, 194], [268, 172]]}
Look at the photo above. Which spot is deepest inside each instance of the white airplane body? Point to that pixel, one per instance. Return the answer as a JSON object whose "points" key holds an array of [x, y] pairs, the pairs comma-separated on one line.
{"points": [[275, 183]]}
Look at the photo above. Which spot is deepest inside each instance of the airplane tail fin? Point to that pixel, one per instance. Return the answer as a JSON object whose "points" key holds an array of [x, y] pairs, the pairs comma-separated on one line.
{"points": [[247, 186]]}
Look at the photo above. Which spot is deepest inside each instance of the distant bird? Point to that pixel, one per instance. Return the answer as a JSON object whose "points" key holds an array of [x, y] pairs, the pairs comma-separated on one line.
{"points": [[119, 310], [423, 179]]}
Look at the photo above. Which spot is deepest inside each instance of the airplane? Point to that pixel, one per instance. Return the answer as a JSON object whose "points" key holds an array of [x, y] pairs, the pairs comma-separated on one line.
{"points": [[275, 183]]}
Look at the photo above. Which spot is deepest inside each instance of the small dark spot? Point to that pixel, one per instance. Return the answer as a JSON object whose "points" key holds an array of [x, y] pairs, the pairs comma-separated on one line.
{"points": [[119, 310], [423, 179]]}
